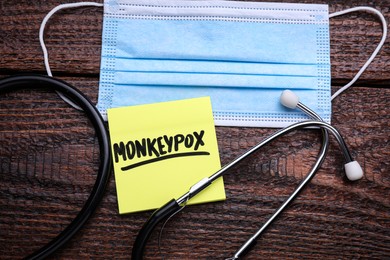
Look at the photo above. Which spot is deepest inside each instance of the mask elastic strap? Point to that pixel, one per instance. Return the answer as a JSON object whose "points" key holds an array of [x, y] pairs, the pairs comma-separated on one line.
{"points": [[384, 35], [43, 46]]}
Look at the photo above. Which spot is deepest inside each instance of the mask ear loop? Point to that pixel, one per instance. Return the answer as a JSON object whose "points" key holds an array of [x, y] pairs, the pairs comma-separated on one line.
{"points": [[373, 55], [43, 46]]}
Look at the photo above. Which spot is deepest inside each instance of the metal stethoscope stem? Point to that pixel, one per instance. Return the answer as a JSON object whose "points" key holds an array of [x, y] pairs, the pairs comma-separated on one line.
{"points": [[352, 170], [325, 144], [325, 128], [201, 185]]}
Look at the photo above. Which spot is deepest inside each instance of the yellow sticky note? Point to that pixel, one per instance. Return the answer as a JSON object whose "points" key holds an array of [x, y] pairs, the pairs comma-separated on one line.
{"points": [[160, 150]]}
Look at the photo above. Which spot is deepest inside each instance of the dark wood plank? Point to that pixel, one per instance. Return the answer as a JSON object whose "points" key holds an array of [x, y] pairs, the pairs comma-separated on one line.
{"points": [[49, 156]]}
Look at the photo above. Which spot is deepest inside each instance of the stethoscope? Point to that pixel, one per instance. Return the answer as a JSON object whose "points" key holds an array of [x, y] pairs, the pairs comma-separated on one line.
{"points": [[289, 99]]}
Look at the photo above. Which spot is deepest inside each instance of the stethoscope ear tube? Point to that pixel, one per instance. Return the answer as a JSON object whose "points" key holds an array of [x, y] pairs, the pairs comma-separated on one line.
{"points": [[38, 81], [143, 236]]}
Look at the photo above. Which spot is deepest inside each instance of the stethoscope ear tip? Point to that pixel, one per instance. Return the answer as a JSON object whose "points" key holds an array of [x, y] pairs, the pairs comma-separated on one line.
{"points": [[289, 99], [353, 171]]}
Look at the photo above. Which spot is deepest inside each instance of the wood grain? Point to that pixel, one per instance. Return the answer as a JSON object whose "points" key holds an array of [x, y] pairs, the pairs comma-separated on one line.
{"points": [[49, 157]]}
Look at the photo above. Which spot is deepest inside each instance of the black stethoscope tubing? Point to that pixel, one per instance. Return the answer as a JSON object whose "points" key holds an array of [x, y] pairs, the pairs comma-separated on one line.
{"points": [[38, 81]]}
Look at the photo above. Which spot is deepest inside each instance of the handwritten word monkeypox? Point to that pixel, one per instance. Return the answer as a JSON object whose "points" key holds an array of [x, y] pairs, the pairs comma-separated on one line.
{"points": [[160, 148]]}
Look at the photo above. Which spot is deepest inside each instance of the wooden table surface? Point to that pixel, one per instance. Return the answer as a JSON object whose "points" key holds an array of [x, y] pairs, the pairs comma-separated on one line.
{"points": [[49, 156]]}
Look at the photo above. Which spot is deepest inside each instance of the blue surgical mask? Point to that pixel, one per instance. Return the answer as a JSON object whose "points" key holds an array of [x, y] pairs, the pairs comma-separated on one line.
{"points": [[241, 54]]}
